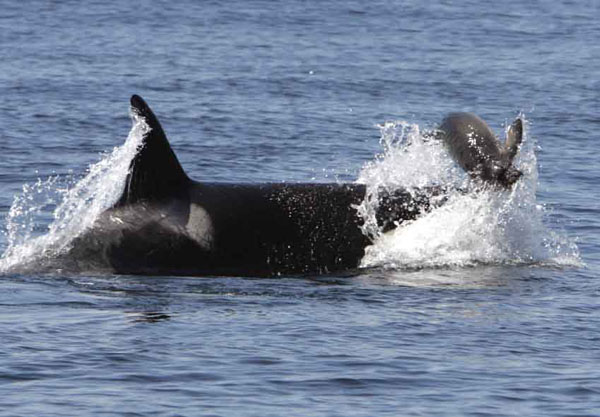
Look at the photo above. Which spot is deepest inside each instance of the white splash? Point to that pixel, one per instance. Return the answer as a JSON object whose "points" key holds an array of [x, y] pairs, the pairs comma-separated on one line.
{"points": [[482, 226], [77, 204]]}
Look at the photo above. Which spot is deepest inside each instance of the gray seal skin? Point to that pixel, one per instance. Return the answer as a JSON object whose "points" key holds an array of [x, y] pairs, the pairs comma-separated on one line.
{"points": [[477, 150], [164, 223]]}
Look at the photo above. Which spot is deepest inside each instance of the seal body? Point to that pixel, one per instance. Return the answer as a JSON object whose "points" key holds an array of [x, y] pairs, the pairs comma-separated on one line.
{"points": [[478, 151]]}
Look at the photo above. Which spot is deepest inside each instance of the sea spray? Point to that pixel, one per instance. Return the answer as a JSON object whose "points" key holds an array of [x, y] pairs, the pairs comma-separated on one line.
{"points": [[410, 159], [475, 225], [76, 204]]}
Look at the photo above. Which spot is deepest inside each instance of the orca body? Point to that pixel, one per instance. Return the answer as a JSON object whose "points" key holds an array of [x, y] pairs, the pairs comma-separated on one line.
{"points": [[166, 224], [477, 150]]}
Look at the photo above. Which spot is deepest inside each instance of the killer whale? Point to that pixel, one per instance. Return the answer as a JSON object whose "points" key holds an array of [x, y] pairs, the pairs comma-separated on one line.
{"points": [[476, 149], [164, 223]]}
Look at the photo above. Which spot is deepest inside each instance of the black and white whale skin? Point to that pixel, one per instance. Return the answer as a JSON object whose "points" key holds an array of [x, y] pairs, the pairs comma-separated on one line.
{"points": [[477, 150], [166, 224]]}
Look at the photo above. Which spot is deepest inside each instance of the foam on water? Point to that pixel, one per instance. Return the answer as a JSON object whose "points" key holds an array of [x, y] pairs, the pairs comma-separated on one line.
{"points": [[481, 226], [77, 205]]}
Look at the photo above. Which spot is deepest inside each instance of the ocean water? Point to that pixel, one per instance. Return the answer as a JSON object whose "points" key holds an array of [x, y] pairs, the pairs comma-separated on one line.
{"points": [[487, 306]]}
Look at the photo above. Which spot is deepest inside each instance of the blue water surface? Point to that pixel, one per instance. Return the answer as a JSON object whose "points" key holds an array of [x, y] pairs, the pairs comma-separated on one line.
{"points": [[292, 91]]}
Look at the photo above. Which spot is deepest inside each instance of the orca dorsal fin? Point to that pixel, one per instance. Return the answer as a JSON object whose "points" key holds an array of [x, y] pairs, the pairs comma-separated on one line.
{"points": [[154, 172]]}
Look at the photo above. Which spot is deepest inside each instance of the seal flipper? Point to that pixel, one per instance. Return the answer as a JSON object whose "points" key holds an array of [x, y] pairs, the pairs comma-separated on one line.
{"points": [[154, 172], [514, 137]]}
